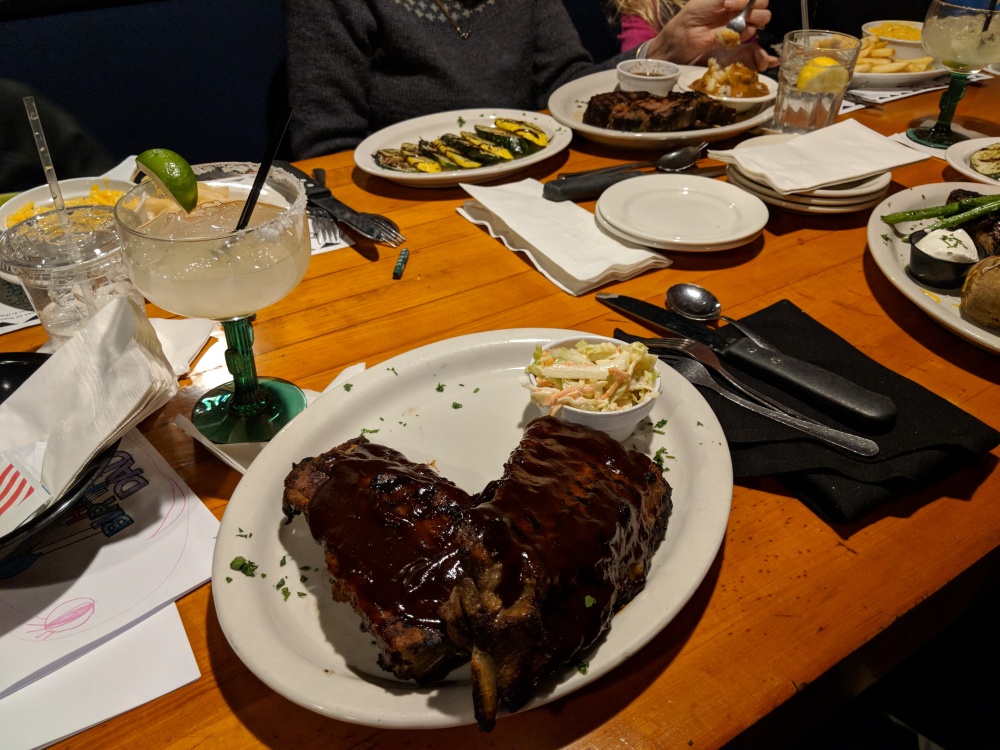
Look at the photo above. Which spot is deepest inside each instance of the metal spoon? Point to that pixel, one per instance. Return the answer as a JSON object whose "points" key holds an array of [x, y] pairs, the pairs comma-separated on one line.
{"points": [[697, 303], [675, 160]]}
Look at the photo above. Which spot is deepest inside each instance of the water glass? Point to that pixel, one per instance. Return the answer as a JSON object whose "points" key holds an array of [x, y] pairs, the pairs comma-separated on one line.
{"points": [[70, 266], [816, 67]]}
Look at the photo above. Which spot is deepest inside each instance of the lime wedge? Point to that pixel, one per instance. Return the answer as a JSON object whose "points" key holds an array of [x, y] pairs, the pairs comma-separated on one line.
{"points": [[171, 172]]}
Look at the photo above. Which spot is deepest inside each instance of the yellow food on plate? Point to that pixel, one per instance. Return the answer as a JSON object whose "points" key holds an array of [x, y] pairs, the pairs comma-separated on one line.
{"points": [[97, 196], [902, 31], [736, 80], [822, 75], [726, 37], [876, 56]]}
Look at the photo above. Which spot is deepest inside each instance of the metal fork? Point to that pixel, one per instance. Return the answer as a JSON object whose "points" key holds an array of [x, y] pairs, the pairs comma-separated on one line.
{"points": [[739, 24], [696, 373], [387, 229], [324, 227], [705, 355]]}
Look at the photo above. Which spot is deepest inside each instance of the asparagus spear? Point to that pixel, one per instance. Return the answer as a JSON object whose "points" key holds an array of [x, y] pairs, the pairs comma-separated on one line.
{"points": [[948, 209]]}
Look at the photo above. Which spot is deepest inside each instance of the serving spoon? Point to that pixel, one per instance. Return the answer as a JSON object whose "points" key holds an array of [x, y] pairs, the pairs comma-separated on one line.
{"points": [[675, 160], [697, 303]]}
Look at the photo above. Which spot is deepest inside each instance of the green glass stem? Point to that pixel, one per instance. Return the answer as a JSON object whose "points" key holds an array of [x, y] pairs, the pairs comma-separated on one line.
{"points": [[949, 101], [248, 397]]}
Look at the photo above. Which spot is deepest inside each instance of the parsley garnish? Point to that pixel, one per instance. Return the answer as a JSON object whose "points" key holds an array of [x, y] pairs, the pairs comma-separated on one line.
{"points": [[244, 566], [583, 667], [366, 431], [393, 371], [228, 579], [279, 584], [286, 593], [589, 601], [440, 388], [348, 386], [475, 390], [283, 560], [455, 405]]}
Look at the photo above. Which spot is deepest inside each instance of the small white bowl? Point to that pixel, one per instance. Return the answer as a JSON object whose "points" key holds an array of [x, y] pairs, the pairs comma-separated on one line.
{"points": [[740, 104], [906, 49], [655, 76], [617, 424]]}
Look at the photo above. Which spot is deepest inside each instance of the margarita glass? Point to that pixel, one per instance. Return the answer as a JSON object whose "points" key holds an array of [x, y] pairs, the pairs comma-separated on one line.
{"points": [[965, 39], [197, 265]]}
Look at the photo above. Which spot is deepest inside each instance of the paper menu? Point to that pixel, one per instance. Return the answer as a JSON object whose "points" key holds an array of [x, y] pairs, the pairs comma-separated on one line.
{"points": [[139, 539]]}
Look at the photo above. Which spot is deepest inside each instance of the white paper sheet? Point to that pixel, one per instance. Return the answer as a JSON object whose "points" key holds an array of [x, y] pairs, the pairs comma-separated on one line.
{"points": [[150, 659], [139, 540]]}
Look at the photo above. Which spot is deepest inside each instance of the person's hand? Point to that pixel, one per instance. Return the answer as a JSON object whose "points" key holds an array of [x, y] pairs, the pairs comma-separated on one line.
{"points": [[695, 34]]}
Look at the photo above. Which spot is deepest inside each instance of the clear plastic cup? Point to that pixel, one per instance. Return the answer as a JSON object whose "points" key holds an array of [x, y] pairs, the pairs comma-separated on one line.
{"points": [[70, 269], [816, 67]]}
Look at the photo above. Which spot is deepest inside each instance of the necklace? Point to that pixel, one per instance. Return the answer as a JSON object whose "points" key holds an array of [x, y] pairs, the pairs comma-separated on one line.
{"points": [[451, 19]]}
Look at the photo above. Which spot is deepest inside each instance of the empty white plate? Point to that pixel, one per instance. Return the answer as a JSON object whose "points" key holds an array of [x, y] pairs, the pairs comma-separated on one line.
{"points": [[681, 212], [800, 202]]}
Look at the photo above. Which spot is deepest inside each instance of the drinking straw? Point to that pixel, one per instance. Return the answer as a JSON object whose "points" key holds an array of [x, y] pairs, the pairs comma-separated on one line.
{"points": [[803, 4], [46, 157], [265, 167], [989, 17]]}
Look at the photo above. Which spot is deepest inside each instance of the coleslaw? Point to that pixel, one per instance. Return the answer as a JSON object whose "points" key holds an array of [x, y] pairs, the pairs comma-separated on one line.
{"points": [[597, 377]]}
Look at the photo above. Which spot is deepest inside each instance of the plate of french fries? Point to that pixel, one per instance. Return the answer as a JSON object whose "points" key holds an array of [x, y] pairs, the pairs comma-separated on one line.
{"points": [[883, 63]]}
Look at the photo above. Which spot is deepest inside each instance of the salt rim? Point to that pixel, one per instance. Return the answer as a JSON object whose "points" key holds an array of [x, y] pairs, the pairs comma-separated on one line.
{"points": [[270, 229]]}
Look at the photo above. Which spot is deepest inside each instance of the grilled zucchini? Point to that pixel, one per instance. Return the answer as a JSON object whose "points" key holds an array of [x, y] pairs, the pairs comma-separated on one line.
{"points": [[524, 130], [986, 161], [394, 159], [438, 149], [515, 144], [422, 163], [469, 150], [485, 145]]}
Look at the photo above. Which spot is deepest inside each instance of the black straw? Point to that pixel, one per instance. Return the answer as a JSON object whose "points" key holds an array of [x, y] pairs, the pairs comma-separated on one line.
{"points": [[265, 167], [989, 16]]}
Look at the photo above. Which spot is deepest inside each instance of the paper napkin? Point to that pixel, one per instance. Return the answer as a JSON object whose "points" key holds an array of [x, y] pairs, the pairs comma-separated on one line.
{"points": [[562, 240], [840, 153], [98, 385], [182, 339]]}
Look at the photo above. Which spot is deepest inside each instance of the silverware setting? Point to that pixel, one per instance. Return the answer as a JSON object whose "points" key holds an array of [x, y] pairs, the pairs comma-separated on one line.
{"points": [[324, 227], [675, 160], [696, 373], [375, 227], [739, 24], [704, 354]]}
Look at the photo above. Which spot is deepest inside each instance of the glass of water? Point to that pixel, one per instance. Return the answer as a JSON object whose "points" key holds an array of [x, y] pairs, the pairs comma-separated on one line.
{"points": [[816, 67]]}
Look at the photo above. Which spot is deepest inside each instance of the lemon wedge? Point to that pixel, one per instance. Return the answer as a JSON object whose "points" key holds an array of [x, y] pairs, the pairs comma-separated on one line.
{"points": [[822, 75], [171, 172]]}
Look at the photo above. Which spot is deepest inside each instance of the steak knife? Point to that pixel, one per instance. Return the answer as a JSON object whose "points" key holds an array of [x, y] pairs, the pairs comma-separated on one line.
{"points": [[826, 390], [320, 195], [589, 186]]}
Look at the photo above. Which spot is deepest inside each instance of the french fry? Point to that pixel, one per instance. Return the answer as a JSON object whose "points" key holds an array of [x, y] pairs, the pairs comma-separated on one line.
{"points": [[876, 56]]}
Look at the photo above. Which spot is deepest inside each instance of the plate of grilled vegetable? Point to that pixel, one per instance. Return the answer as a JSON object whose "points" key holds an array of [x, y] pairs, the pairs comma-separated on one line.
{"points": [[467, 145]]}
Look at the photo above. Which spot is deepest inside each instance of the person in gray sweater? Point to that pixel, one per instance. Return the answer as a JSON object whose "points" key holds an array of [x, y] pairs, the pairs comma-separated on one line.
{"points": [[357, 66]]}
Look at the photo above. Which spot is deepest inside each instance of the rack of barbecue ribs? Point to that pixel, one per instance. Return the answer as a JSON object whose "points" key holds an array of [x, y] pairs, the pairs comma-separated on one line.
{"points": [[518, 579], [642, 112]]}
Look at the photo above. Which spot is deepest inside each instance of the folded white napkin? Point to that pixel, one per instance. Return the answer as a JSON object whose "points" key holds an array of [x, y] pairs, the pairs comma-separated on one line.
{"points": [[842, 152], [182, 339], [562, 239], [96, 387]]}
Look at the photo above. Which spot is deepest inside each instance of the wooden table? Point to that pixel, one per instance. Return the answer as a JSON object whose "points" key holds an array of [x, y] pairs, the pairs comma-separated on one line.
{"points": [[789, 600]]}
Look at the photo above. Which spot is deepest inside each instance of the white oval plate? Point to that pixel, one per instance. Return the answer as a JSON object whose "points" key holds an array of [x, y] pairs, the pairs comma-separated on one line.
{"points": [[433, 126], [685, 212], [803, 203], [568, 102], [310, 649], [959, 154], [623, 235], [894, 81], [893, 255]]}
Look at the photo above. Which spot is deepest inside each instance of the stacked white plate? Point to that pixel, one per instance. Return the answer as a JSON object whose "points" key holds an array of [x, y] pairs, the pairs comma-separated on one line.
{"points": [[833, 199], [683, 213]]}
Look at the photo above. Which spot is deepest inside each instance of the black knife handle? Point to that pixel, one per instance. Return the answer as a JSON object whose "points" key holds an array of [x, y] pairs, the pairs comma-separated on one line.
{"points": [[584, 187], [313, 188], [846, 400]]}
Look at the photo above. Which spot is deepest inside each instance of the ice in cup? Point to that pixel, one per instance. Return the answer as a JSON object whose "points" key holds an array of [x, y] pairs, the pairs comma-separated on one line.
{"points": [[816, 67], [69, 267]]}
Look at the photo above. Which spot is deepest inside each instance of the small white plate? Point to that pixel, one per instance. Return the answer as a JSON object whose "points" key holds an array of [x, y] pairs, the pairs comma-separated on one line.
{"points": [[958, 157], [896, 81], [892, 256], [682, 212], [993, 68], [568, 103], [434, 126], [768, 195], [804, 207], [311, 650]]}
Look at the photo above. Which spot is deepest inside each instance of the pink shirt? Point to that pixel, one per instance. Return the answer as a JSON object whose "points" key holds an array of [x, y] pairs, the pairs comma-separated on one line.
{"points": [[634, 32]]}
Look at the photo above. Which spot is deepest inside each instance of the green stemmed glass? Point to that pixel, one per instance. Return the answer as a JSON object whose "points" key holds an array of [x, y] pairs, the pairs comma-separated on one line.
{"points": [[199, 266], [965, 38]]}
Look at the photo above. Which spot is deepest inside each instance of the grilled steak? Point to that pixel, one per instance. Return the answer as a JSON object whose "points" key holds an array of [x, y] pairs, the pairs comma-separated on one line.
{"points": [[388, 526], [558, 545], [523, 576], [985, 231], [639, 111]]}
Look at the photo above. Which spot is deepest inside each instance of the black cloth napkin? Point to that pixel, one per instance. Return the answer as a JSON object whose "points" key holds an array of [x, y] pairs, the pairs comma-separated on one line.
{"points": [[929, 440]]}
